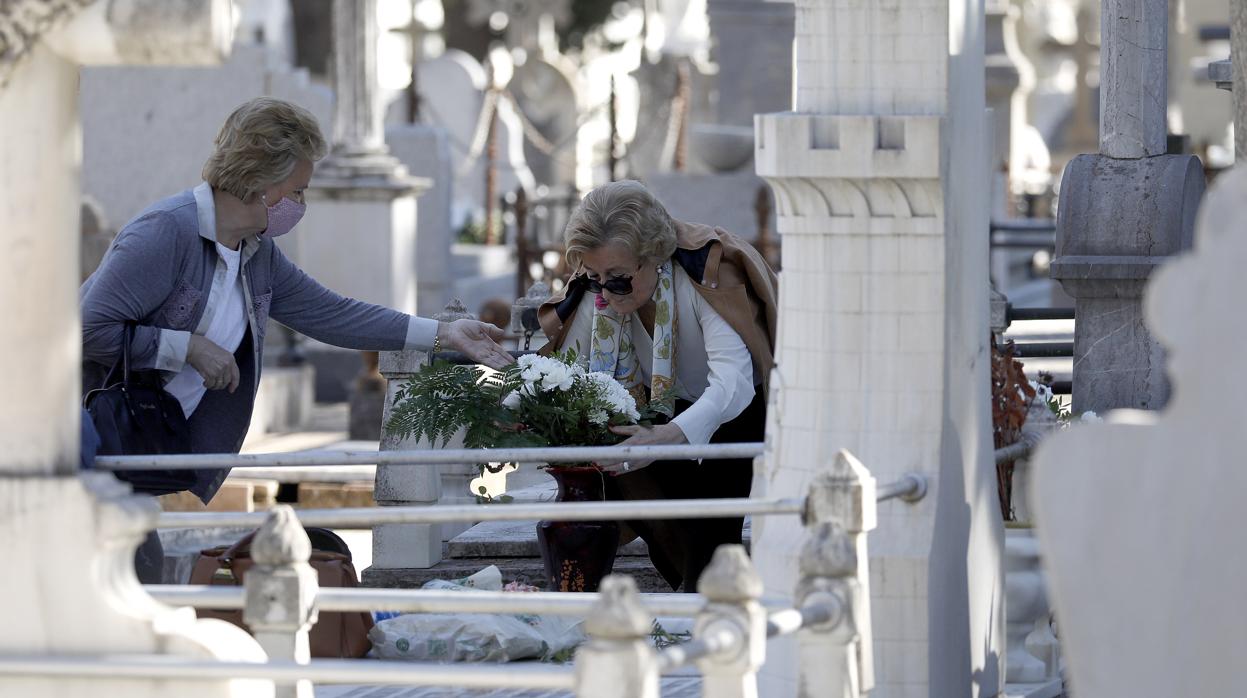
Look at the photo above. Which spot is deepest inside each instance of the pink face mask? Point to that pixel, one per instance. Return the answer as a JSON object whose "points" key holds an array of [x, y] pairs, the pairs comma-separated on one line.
{"points": [[283, 216]]}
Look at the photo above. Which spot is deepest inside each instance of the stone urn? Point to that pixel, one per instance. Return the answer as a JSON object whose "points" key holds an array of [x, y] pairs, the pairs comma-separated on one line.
{"points": [[1026, 604], [723, 148], [577, 554]]}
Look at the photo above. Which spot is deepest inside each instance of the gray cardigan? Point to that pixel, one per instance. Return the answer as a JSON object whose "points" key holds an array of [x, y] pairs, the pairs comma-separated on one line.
{"points": [[158, 273]]}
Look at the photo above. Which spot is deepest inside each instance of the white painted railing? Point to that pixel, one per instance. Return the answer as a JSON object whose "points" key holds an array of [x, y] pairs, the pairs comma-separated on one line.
{"points": [[553, 454], [365, 517], [281, 599]]}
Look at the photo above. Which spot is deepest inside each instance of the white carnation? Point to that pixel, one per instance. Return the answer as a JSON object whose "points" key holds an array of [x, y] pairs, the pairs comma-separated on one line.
{"points": [[545, 373], [1089, 416], [558, 377], [617, 398], [527, 360], [512, 400]]}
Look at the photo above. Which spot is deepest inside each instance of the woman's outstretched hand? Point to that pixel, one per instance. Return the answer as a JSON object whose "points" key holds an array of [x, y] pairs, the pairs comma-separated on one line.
{"points": [[476, 340], [644, 436]]}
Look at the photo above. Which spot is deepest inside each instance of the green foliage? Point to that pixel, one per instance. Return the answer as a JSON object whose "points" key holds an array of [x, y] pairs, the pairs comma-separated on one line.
{"points": [[664, 639], [476, 232], [443, 398]]}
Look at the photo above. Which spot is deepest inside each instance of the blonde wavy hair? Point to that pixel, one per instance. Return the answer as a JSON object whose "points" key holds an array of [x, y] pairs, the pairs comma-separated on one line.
{"points": [[624, 212], [259, 146]]}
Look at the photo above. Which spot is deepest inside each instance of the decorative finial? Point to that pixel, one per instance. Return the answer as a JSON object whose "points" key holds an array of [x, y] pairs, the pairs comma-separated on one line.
{"points": [[730, 577], [454, 310], [829, 552], [618, 614], [281, 540]]}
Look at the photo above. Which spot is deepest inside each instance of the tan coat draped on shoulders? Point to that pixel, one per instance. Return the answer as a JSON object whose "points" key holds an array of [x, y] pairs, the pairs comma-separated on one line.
{"points": [[728, 272]]}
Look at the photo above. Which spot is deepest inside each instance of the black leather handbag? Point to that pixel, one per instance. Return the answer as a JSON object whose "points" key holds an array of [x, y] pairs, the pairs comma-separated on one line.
{"points": [[137, 416]]}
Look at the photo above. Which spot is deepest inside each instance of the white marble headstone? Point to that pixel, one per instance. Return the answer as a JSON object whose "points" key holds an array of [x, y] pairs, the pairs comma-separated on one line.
{"points": [[1140, 518], [452, 89]]}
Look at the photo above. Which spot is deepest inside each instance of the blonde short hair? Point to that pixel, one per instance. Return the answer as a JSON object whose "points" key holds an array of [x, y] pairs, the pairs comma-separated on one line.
{"points": [[259, 146], [623, 212]]}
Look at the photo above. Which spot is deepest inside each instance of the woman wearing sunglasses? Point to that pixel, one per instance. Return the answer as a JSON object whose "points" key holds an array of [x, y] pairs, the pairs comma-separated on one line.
{"points": [[683, 315]]}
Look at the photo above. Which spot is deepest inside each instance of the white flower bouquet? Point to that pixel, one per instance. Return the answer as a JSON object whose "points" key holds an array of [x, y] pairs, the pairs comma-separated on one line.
{"points": [[538, 401]]}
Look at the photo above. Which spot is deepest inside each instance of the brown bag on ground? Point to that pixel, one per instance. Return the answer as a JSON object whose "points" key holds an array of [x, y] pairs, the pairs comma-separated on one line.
{"points": [[336, 635]]}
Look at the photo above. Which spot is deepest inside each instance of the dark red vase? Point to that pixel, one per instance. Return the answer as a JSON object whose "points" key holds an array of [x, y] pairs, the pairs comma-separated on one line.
{"points": [[578, 554]]}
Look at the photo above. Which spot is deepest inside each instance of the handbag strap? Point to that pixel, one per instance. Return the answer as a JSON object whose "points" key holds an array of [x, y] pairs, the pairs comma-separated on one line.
{"points": [[242, 546], [127, 338], [329, 541]]}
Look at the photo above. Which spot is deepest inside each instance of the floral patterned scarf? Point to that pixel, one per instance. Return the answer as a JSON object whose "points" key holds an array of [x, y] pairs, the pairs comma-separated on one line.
{"points": [[612, 349]]}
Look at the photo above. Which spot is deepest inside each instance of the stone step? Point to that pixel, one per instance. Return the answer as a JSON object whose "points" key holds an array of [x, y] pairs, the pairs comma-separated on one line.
{"points": [[513, 539], [524, 569]]}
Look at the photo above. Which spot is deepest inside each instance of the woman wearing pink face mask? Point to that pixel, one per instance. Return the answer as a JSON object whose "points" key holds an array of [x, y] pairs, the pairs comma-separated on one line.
{"points": [[198, 276]]}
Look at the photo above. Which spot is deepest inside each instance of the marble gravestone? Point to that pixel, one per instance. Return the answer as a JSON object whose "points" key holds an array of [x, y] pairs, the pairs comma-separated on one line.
{"points": [[545, 93], [452, 88], [1139, 517]]}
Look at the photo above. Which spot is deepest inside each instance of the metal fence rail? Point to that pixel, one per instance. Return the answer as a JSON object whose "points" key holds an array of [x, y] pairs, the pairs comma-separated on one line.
{"points": [[330, 599], [1029, 314], [790, 620], [911, 487], [366, 517], [322, 671], [1021, 449], [554, 454], [1043, 350]]}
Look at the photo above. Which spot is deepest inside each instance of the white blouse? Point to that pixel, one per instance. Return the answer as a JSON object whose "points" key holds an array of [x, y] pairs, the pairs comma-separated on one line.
{"points": [[713, 368]]}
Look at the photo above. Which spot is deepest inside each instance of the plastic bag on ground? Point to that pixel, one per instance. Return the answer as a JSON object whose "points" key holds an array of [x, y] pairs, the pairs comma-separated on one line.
{"points": [[474, 637]]}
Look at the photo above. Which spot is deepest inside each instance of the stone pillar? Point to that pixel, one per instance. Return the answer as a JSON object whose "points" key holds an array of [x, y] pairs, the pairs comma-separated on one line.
{"points": [[1238, 55], [752, 45], [359, 237], [73, 536], [399, 547], [358, 116], [1122, 213], [880, 178]]}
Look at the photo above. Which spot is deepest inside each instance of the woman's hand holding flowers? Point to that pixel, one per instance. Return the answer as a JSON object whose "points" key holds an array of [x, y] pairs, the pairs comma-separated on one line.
{"points": [[644, 436]]}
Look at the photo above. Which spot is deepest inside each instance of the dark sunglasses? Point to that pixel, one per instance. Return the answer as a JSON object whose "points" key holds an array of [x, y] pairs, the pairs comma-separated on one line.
{"points": [[617, 285]]}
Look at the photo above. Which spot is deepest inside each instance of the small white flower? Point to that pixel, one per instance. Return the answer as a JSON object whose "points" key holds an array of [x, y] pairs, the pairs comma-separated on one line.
{"points": [[527, 360], [600, 417], [1089, 416], [558, 378], [512, 401], [616, 397]]}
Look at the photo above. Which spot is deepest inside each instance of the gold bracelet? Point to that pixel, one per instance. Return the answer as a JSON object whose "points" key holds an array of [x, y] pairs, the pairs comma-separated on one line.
{"points": [[437, 343]]}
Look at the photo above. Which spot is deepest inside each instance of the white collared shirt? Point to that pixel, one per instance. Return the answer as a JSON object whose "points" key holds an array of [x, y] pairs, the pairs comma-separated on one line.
{"points": [[226, 327], [713, 367]]}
